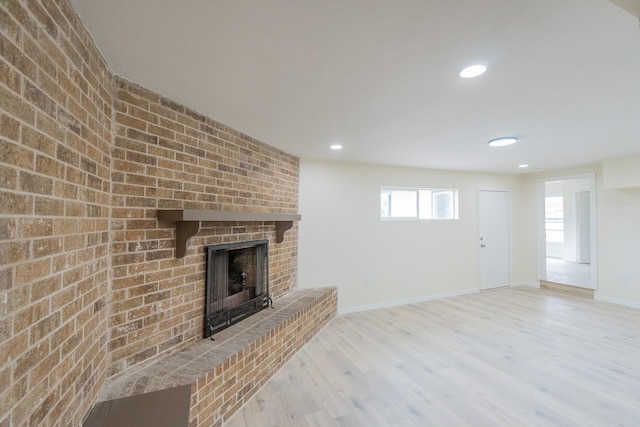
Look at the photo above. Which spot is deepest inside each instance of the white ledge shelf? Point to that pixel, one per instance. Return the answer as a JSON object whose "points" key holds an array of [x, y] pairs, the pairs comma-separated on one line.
{"points": [[188, 222]]}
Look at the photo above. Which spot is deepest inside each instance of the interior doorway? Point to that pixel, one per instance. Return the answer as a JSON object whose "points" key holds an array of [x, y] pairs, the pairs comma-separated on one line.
{"points": [[566, 226]]}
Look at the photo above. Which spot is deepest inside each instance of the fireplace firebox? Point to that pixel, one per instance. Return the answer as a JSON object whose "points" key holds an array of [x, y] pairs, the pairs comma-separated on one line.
{"points": [[237, 283]]}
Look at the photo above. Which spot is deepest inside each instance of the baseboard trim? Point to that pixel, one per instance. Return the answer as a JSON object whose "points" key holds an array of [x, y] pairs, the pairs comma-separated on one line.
{"points": [[617, 301], [387, 304]]}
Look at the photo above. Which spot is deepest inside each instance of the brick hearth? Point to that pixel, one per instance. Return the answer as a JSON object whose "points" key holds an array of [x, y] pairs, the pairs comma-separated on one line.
{"points": [[225, 373]]}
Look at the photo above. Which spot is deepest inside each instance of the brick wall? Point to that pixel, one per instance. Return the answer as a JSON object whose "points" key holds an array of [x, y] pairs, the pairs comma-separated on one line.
{"points": [[167, 156], [55, 143], [89, 285]]}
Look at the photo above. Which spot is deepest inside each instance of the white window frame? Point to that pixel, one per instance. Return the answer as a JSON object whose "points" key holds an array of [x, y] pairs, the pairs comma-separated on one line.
{"points": [[420, 192]]}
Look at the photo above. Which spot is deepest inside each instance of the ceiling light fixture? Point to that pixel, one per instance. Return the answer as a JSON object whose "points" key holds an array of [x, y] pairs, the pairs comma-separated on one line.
{"points": [[472, 71], [523, 166], [501, 142], [336, 147]]}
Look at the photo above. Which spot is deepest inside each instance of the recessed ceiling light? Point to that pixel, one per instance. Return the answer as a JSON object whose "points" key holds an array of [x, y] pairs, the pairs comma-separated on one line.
{"points": [[523, 166], [336, 147], [472, 71], [501, 142]]}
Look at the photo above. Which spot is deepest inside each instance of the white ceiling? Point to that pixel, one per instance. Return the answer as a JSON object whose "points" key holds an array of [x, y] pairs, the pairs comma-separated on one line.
{"points": [[380, 76]]}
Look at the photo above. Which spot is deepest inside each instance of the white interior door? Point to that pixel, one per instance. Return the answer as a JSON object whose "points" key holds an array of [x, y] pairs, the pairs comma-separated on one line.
{"points": [[494, 234]]}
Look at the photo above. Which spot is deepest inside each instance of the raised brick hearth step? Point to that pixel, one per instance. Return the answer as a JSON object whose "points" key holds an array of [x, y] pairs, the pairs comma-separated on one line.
{"points": [[224, 373]]}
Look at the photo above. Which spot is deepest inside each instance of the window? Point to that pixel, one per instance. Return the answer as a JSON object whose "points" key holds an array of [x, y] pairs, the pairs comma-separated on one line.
{"points": [[554, 226], [418, 203], [554, 219]]}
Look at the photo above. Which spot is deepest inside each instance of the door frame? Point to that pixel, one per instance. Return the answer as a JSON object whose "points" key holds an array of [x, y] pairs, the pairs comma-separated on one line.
{"points": [[542, 250], [509, 222]]}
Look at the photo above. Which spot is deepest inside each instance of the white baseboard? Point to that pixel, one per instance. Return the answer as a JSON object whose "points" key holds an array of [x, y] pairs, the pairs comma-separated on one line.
{"points": [[618, 301], [387, 304], [531, 284]]}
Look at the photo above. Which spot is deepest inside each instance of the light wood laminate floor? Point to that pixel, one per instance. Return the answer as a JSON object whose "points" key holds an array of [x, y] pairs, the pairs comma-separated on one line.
{"points": [[509, 357], [569, 273]]}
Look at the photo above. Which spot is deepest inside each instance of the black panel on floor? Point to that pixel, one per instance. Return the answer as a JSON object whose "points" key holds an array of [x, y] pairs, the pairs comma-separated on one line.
{"points": [[165, 408]]}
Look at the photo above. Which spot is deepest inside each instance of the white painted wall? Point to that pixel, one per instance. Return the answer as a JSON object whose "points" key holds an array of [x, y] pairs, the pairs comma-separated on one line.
{"points": [[621, 172], [619, 246], [343, 242]]}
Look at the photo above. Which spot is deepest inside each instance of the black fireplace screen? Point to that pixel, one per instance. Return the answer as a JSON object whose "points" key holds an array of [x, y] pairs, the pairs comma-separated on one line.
{"points": [[237, 283]]}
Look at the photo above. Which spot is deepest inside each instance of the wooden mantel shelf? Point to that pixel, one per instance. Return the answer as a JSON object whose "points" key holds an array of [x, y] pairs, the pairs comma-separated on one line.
{"points": [[188, 222]]}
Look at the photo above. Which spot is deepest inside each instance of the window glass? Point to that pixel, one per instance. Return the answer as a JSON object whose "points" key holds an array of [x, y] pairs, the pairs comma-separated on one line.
{"points": [[426, 204], [554, 219], [442, 204], [385, 203], [403, 204], [418, 203]]}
